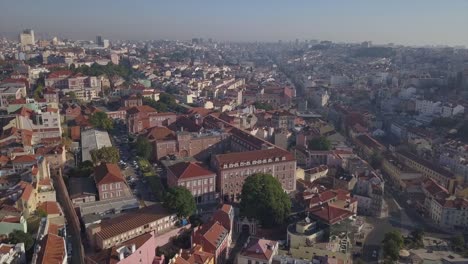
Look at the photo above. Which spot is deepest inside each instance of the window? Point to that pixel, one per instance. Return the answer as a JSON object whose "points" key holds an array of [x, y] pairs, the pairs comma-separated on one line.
{"points": [[249, 261], [211, 180], [205, 181], [104, 195], [104, 187], [111, 186]]}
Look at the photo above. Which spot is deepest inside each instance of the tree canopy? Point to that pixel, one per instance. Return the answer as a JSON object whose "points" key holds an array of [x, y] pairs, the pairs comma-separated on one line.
{"points": [[18, 236], [263, 198], [123, 70], [392, 244], [458, 242], [101, 120], [143, 147], [181, 201], [105, 154], [166, 103], [264, 106], [319, 143]]}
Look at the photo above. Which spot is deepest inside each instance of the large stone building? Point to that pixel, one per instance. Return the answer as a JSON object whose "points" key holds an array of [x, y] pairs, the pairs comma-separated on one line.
{"points": [[143, 117], [233, 168], [200, 181]]}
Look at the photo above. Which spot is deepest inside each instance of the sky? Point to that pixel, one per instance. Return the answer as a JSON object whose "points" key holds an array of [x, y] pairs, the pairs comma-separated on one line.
{"points": [[408, 22]]}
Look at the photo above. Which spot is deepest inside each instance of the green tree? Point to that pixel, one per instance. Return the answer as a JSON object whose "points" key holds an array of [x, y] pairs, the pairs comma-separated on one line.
{"points": [[181, 201], [38, 91], [319, 143], [263, 198], [105, 154], [458, 242], [41, 213], [264, 106], [101, 120], [392, 244], [376, 160], [417, 234], [144, 147], [18, 236]]}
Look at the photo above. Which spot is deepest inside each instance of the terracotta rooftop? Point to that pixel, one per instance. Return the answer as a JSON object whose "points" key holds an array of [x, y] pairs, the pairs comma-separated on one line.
{"points": [[141, 108], [186, 170], [107, 173], [51, 208], [259, 248], [160, 133], [329, 214], [24, 159], [249, 156], [129, 221], [52, 249]]}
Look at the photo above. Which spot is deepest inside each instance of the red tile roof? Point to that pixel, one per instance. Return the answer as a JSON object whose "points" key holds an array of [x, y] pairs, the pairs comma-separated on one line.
{"points": [[259, 248], [60, 74], [329, 214], [211, 234], [52, 250], [24, 159], [141, 108], [187, 170], [51, 208], [249, 156], [129, 221], [160, 133], [107, 173]]}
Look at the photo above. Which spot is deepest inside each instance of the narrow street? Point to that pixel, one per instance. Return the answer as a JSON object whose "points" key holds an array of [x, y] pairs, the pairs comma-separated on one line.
{"points": [[400, 217]]}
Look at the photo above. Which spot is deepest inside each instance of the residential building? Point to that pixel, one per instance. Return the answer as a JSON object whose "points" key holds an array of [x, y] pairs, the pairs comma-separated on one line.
{"points": [[400, 174], [257, 250], [214, 239], [82, 190], [51, 244], [122, 228], [144, 117], [110, 182], [369, 191], [93, 139], [233, 168], [195, 255], [141, 249], [26, 37], [200, 181], [12, 253], [430, 170], [10, 92]]}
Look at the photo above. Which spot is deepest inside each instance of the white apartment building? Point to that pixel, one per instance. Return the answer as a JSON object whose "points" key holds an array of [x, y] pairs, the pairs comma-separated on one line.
{"points": [[27, 37], [11, 91]]}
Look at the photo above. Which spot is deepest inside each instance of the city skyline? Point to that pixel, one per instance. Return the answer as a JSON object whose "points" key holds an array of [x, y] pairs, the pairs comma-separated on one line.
{"points": [[414, 23]]}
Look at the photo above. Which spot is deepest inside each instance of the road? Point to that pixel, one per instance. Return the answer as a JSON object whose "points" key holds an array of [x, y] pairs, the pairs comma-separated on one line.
{"points": [[401, 217]]}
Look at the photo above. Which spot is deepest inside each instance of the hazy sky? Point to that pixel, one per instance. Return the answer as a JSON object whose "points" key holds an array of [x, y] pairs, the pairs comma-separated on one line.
{"points": [[414, 22]]}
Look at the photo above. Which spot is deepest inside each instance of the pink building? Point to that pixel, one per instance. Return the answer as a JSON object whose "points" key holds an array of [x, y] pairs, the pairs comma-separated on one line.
{"points": [[110, 182], [141, 249]]}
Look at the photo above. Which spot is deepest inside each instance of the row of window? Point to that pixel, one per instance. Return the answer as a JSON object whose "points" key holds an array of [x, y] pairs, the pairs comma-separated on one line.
{"points": [[111, 186], [195, 183], [111, 195]]}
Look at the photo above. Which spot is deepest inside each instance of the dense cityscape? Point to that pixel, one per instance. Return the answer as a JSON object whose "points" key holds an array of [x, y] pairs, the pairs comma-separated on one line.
{"points": [[217, 152]]}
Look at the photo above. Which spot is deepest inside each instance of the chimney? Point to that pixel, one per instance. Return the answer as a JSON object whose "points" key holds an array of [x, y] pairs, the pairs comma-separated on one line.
{"points": [[133, 248]]}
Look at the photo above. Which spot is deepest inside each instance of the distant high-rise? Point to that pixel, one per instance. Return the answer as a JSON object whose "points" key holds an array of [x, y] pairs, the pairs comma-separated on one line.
{"points": [[27, 37], [99, 41]]}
